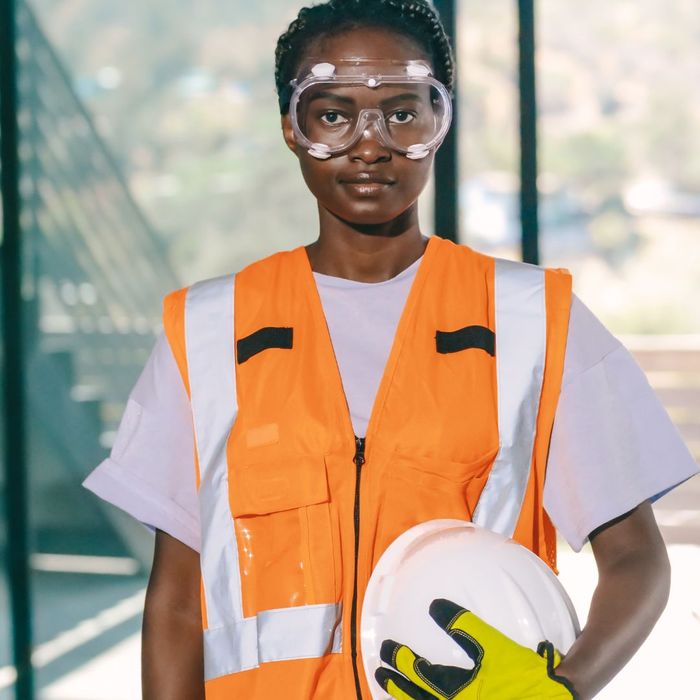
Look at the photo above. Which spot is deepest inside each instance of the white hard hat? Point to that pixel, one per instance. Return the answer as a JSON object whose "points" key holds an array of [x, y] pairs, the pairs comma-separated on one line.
{"points": [[496, 578]]}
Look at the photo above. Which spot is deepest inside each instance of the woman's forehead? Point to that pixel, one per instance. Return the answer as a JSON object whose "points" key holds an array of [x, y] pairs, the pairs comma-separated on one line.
{"points": [[375, 43], [360, 95]]}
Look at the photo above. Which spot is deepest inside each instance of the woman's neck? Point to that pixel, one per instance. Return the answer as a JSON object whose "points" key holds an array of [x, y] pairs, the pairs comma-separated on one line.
{"points": [[366, 252]]}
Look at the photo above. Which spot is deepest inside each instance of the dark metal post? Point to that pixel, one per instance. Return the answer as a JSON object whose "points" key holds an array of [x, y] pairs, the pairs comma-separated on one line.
{"points": [[447, 157], [529, 215], [13, 362]]}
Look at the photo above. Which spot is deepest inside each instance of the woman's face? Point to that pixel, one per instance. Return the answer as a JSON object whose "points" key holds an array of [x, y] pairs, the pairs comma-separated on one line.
{"points": [[392, 182]]}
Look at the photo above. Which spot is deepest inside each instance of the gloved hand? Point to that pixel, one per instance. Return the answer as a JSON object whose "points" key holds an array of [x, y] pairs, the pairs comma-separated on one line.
{"points": [[503, 669]]}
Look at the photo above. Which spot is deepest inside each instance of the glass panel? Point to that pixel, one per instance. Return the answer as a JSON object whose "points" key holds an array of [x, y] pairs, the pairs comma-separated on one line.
{"points": [[487, 69], [190, 113], [621, 182], [94, 277], [620, 155]]}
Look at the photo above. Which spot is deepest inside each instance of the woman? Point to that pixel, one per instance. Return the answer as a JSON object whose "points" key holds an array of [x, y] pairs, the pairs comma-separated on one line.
{"points": [[345, 391]]}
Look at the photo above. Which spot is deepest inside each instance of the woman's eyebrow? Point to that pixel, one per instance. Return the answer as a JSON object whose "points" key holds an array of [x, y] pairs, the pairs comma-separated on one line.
{"points": [[330, 95], [402, 98]]}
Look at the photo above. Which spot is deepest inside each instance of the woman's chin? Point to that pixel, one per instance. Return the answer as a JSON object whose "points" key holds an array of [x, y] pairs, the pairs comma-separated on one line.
{"points": [[368, 214]]}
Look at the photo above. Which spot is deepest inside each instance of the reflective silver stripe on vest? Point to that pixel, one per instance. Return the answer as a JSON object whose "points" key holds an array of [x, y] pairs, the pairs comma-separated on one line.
{"points": [[233, 643], [274, 635], [521, 327]]}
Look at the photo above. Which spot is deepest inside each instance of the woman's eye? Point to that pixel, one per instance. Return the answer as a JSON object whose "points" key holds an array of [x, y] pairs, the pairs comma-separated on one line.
{"points": [[401, 118], [333, 118]]}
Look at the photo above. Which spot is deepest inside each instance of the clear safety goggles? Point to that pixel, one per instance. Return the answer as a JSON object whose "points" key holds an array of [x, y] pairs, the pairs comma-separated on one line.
{"points": [[334, 105]]}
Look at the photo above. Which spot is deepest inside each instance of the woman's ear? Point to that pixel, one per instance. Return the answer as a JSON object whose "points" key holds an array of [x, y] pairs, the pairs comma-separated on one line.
{"points": [[288, 134]]}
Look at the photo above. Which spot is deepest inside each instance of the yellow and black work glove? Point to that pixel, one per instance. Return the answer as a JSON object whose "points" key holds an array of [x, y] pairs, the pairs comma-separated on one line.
{"points": [[503, 669]]}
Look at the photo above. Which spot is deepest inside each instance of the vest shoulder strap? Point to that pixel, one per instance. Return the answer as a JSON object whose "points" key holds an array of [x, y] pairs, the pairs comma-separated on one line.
{"points": [[209, 330], [521, 348]]}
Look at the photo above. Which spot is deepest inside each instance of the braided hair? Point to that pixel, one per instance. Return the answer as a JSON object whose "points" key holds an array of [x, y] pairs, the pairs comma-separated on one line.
{"points": [[416, 19]]}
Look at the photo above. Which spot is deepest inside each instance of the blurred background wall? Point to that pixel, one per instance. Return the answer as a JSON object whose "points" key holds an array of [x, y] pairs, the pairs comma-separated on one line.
{"points": [[151, 158]]}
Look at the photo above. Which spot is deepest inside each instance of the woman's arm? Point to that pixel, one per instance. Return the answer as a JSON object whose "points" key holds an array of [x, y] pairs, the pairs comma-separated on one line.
{"points": [[172, 661], [632, 591]]}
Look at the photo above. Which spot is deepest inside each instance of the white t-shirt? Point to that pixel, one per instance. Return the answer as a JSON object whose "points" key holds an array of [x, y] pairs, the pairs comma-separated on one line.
{"points": [[613, 444]]}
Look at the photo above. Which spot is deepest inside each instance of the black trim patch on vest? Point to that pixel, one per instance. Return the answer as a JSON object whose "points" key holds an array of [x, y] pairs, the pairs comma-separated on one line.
{"points": [[263, 339], [469, 337]]}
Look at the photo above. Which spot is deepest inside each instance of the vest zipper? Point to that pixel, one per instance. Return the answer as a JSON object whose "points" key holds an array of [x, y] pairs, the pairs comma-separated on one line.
{"points": [[359, 460]]}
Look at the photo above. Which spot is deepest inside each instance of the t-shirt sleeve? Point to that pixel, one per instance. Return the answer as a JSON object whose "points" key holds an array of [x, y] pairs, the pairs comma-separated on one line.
{"points": [[613, 445], [150, 472]]}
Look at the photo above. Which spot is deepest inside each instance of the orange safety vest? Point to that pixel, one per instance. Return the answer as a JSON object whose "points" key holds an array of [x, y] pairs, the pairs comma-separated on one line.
{"points": [[295, 510]]}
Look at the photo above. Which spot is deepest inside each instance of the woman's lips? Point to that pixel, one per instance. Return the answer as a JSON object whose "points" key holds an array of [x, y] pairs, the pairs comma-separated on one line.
{"points": [[367, 189], [367, 185]]}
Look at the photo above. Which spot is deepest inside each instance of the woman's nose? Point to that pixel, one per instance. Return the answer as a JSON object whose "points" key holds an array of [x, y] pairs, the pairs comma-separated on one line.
{"points": [[370, 147]]}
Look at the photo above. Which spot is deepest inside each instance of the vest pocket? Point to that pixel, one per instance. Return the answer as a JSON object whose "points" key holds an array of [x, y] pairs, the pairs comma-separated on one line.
{"points": [[439, 472], [415, 489], [286, 534]]}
